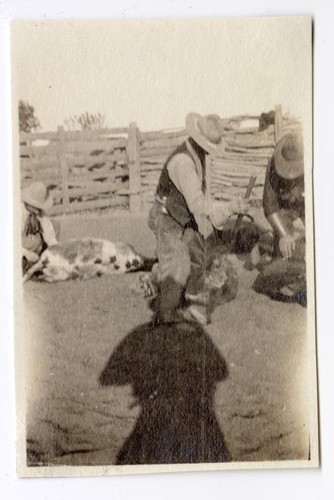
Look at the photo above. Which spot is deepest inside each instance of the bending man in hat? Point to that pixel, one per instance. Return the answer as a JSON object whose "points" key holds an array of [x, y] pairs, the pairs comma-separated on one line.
{"points": [[37, 230], [284, 208], [182, 220]]}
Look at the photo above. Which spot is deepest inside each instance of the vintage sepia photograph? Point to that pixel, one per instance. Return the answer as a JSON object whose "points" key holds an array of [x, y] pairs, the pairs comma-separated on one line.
{"points": [[164, 245]]}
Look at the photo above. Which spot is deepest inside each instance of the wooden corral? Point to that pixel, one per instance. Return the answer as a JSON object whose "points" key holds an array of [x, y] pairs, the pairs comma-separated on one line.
{"points": [[120, 167]]}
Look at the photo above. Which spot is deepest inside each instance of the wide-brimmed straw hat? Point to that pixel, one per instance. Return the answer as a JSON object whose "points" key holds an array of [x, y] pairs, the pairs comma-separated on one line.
{"points": [[289, 156], [207, 132], [37, 196]]}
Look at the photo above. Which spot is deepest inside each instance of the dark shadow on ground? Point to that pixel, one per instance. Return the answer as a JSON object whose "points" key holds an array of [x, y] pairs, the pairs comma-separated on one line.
{"points": [[173, 370]]}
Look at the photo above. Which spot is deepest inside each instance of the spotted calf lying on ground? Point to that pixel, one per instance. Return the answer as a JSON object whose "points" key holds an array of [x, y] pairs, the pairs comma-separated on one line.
{"points": [[84, 259]]}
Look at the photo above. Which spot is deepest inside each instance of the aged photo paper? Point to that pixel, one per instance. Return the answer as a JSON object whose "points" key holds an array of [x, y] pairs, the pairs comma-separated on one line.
{"points": [[164, 245]]}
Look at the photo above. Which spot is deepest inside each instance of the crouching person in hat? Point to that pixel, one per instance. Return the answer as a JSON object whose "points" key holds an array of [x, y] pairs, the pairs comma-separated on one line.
{"points": [[284, 207], [37, 230], [182, 220]]}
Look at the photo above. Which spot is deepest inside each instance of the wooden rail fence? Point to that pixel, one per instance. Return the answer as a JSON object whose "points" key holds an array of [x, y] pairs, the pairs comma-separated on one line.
{"points": [[120, 167]]}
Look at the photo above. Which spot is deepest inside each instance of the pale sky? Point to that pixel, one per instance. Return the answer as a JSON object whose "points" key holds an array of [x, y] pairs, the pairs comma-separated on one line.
{"points": [[155, 71]]}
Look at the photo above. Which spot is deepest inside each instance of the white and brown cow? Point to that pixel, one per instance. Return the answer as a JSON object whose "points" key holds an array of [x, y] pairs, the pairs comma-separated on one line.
{"points": [[85, 258]]}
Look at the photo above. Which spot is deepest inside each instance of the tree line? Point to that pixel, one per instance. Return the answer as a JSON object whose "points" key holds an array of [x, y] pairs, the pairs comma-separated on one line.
{"points": [[29, 122]]}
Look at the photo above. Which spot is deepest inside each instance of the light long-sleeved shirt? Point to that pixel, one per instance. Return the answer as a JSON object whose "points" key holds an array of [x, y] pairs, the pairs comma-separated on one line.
{"points": [[182, 172], [32, 242]]}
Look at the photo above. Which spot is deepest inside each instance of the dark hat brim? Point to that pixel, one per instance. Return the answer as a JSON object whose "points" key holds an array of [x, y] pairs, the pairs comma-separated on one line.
{"points": [[192, 120], [287, 169]]}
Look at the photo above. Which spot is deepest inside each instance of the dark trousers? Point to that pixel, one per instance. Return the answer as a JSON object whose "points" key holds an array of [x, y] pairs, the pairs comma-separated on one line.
{"points": [[282, 272], [181, 273], [26, 264]]}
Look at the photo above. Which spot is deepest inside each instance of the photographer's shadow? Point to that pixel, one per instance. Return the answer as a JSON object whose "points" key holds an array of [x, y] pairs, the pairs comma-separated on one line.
{"points": [[173, 370]]}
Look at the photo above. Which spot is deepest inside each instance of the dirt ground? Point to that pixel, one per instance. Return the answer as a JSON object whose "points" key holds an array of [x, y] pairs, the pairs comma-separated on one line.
{"points": [[72, 329]]}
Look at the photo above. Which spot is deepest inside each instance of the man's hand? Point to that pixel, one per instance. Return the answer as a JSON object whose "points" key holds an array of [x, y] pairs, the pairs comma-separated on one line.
{"points": [[30, 255], [239, 206], [287, 245], [220, 211]]}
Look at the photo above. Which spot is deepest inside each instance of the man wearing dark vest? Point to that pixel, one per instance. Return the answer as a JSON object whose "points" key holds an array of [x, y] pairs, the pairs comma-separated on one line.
{"points": [[182, 220], [284, 207]]}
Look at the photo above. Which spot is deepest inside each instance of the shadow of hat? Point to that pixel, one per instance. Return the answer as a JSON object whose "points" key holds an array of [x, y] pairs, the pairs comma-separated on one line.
{"points": [[289, 156], [207, 132]]}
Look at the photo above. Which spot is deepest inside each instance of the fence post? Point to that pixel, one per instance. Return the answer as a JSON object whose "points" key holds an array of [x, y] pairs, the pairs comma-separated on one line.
{"points": [[278, 122], [63, 168], [133, 150]]}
